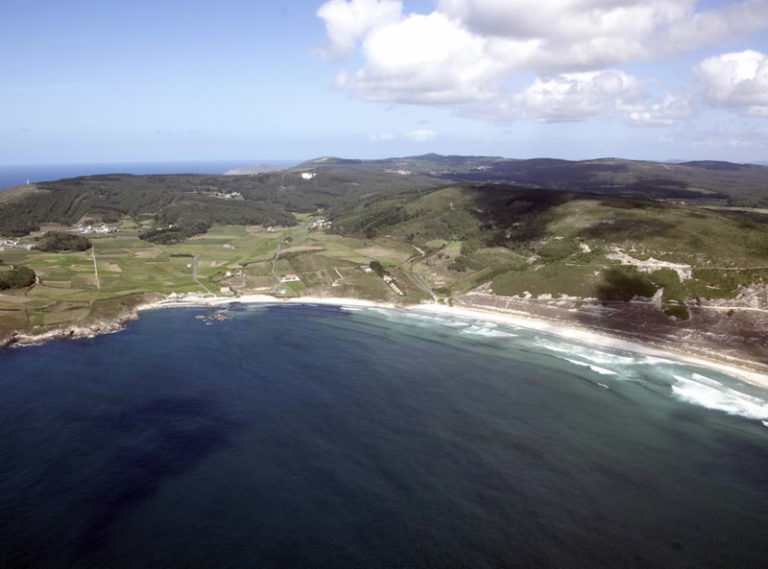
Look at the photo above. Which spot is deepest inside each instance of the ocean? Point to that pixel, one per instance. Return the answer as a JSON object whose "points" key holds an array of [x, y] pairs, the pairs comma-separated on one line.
{"points": [[19, 174], [319, 437]]}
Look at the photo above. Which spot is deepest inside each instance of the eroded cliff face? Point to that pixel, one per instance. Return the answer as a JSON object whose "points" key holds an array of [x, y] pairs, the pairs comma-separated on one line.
{"points": [[752, 296], [734, 329]]}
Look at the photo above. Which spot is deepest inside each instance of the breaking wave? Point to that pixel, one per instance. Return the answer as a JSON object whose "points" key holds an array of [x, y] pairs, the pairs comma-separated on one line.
{"points": [[596, 369], [662, 375], [488, 331], [600, 356], [706, 392]]}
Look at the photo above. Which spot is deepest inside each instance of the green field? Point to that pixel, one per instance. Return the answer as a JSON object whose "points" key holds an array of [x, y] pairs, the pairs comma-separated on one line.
{"points": [[228, 260], [435, 237]]}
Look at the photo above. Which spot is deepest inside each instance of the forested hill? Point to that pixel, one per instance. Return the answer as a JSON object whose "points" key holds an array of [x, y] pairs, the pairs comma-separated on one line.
{"points": [[174, 207], [186, 204], [723, 182], [618, 242]]}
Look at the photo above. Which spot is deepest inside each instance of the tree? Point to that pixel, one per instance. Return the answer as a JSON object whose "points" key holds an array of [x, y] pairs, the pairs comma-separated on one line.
{"points": [[19, 277], [55, 241]]}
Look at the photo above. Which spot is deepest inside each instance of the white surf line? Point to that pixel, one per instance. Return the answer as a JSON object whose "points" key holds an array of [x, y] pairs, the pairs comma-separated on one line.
{"points": [[95, 268], [594, 338]]}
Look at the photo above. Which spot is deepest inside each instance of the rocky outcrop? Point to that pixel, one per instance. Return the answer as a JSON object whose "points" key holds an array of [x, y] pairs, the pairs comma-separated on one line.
{"points": [[88, 327], [41, 335]]}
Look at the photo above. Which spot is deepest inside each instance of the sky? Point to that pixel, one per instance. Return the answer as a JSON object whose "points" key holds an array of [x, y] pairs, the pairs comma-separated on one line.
{"points": [[94, 81]]}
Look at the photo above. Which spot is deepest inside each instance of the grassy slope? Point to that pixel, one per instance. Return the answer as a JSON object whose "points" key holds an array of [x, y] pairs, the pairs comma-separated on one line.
{"points": [[556, 243], [520, 240]]}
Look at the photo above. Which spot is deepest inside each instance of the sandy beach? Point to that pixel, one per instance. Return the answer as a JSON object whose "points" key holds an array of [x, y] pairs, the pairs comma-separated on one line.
{"points": [[521, 320]]}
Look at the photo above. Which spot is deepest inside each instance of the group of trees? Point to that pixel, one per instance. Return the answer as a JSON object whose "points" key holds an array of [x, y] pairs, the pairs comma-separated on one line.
{"points": [[171, 200], [17, 277], [55, 241]]}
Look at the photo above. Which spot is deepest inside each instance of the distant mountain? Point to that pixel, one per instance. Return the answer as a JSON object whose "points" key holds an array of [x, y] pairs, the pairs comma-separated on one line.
{"points": [[742, 184], [261, 194]]}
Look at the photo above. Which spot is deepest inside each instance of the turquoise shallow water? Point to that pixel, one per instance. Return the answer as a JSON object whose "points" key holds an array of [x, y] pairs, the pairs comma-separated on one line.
{"points": [[301, 436]]}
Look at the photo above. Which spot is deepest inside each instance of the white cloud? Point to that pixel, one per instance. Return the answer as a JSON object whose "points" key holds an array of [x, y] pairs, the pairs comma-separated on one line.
{"points": [[423, 59], [736, 80], [709, 27], [575, 34], [580, 96], [347, 22], [421, 135], [418, 135], [577, 96], [467, 53], [670, 110]]}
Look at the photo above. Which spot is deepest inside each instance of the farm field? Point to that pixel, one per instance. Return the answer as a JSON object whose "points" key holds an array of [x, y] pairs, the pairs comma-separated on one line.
{"points": [[121, 269]]}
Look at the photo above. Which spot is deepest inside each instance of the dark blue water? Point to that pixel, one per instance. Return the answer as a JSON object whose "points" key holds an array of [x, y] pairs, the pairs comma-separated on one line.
{"points": [[315, 437], [17, 175]]}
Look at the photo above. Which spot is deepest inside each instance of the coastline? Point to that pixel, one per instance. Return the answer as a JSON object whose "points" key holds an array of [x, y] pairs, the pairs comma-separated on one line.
{"points": [[605, 340], [522, 320], [745, 372]]}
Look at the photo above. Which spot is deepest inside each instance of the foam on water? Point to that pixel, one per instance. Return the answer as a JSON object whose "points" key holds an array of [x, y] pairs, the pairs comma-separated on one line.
{"points": [[282, 436], [660, 374], [596, 369], [706, 380], [488, 331], [599, 356], [706, 392]]}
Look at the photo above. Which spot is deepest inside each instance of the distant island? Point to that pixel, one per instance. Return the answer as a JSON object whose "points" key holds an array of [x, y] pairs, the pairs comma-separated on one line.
{"points": [[671, 254]]}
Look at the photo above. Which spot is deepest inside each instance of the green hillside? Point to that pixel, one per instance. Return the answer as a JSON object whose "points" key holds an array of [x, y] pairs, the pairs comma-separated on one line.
{"points": [[567, 243], [440, 226], [175, 207]]}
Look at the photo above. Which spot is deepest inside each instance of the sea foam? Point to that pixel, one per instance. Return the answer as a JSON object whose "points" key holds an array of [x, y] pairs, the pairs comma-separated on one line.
{"points": [[596, 369], [488, 331], [706, 392]]}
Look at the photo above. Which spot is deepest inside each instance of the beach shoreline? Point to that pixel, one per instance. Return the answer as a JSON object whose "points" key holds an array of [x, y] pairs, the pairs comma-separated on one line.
{"points": [[746, 372]]}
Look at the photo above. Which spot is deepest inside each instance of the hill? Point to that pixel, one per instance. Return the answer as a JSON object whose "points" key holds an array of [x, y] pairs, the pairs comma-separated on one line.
{"points": [[554, 242], [721, 183], [672, 251], [176, 207], [186, 204]]}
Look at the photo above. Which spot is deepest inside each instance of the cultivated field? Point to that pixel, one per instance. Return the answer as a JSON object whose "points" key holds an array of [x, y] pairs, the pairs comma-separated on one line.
{"points": [[228, 260]]}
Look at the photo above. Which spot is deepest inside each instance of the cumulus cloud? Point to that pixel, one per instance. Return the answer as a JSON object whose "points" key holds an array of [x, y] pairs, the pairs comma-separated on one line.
{"points": [[421, 135], [670, 110], [577, 96], [467, 52], [347, 22], [736, 80], [423, 59], [578, 34], [584, 95]]}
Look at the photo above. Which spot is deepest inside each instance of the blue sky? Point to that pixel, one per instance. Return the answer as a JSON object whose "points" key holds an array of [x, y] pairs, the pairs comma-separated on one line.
{"points": [[88, 81]]}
